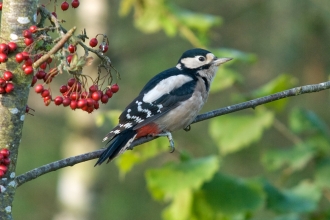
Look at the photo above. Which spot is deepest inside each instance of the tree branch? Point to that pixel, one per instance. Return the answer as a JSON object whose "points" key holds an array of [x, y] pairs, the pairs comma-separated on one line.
{"points": [[21, 179]]}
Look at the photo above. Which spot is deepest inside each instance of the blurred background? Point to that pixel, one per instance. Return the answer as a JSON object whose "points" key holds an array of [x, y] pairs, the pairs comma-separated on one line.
{"points": [[283, 36]]}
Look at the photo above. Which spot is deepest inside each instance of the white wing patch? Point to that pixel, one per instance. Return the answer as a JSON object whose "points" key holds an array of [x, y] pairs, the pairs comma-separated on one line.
{"points": [[165, 87]]}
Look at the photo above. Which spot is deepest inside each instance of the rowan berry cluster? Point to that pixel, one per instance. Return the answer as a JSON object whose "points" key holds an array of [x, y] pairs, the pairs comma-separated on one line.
{"points": [[4, 161]]}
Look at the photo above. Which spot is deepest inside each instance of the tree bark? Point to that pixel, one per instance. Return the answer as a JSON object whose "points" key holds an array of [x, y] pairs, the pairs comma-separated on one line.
{"points": [[17, 15]]}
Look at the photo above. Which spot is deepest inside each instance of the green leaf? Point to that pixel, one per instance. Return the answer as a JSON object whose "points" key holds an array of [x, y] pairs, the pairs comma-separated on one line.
{"points": [[148, 18], [322, 173], [291, 216], [140, 154], [176, 177], [225, 78], [232, 133], [236, 54], [280, 83], [295, 158], [231, 195], [125, 6], [180, 208], [301, 199]]}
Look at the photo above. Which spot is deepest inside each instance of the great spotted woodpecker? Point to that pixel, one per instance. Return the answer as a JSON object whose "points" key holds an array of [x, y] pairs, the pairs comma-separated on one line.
{"points": [[169, 101]]}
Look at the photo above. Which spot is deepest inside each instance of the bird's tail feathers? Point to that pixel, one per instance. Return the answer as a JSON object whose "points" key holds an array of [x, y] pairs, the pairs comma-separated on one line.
{"points": [[117, 145]]}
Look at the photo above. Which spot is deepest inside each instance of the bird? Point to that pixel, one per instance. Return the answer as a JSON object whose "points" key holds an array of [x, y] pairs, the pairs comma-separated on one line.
{"points": [[170, 101]]}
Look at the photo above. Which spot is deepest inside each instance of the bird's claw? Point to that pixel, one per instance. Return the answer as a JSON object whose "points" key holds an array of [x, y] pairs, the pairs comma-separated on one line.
{"points": [[170, 139], [187, 128]]}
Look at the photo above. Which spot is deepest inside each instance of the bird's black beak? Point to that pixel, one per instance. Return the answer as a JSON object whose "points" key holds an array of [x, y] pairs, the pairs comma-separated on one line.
{"points": [[218, 61]]}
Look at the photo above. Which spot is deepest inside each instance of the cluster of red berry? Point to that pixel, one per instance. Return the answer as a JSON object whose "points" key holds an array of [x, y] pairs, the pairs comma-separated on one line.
{"points": [[5, 49], [4, 161], [73, 95], [6, 86], [65, 5], [103, 46]]}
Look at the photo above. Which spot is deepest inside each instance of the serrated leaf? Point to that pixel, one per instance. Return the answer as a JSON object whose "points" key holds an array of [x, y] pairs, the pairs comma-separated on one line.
{"points": [[295, 200], [236, 54], [280, 83], [140, 154], [322, 173], [173, 178], [233, 133], [224, 78], [231, 195], [180, 207], [295, 158]]}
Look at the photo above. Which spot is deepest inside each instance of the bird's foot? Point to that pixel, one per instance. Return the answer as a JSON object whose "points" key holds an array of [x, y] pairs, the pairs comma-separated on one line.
{"points": [[170, 139]]}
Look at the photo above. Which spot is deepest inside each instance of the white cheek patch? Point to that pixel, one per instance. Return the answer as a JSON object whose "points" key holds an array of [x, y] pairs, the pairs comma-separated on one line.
{"points": [[194, 62], [165, 87]]}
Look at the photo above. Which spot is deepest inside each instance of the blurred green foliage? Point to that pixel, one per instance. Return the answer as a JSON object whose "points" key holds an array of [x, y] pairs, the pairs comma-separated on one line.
{"points": [[278, 155]]}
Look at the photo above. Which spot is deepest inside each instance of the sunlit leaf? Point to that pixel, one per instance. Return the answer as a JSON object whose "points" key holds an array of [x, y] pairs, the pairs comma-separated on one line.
{"points": [[224, 78], [295, 158], [140, 154], [230, 195], [180, 207], [173, 178], [300, 199], [280, 83], [232, 133]]}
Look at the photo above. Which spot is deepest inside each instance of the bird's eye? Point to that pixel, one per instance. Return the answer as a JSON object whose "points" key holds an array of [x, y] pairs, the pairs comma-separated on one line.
{"points": [[201, 59]]}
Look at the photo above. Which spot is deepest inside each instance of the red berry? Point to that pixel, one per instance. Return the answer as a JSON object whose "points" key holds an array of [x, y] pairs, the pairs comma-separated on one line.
{"points": [[43, 65], [2, 83], [1, 158], [96, 105], [104, 48], [1, 172], [84, 95], [40, 74], [3, 168], [65, 6], [5, 152], [0, 6], [82, 103], [27, 34], [28, 62], [58, 100], [34, 80], [3, 58], [47, 100], [28, 41], [39, 88], [12, 46], [74, 95], [33, 28], [66, 101], [6, 161], [7, 75], [63, 88], [93, 88], [26, 55], [75, 4], [115, 88], [45, 93], [4, 48], [54, 14], [2, 90], [49, 60], [48, 78], [73, 104], [90, 102], [96, 96], [104, 99], [109, 93], [19, 57], [9, 87], [69, 58], [71, 81], [28, 70], [93, 42], [72, 48]]}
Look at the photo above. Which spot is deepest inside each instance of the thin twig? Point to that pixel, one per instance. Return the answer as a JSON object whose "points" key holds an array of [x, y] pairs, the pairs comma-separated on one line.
{"points": [[21, 179]]}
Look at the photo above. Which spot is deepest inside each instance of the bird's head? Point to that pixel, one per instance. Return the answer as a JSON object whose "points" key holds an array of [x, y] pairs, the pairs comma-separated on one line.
{"points": [[198, 59]]}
